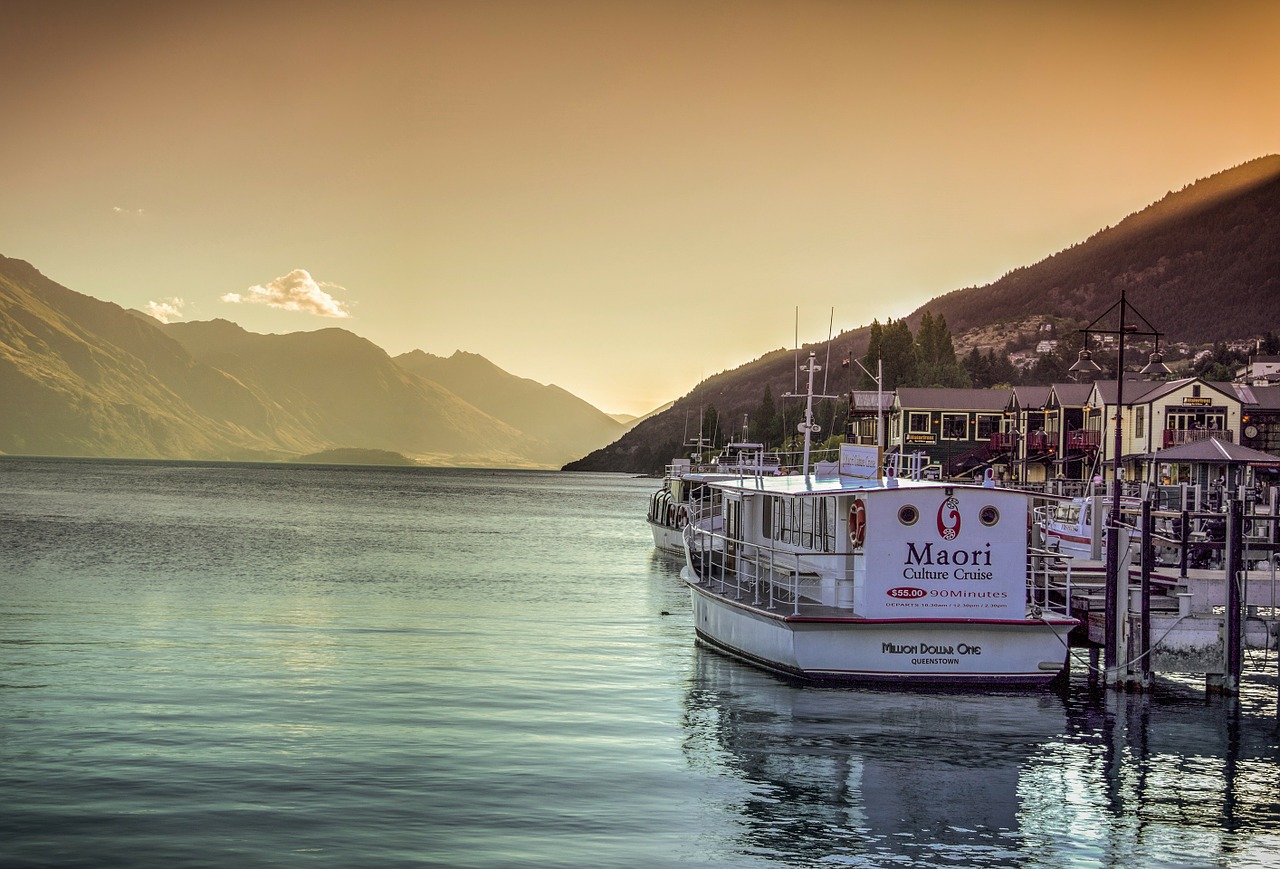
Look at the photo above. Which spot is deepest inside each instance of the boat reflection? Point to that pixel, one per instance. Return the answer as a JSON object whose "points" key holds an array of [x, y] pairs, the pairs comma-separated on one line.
{"points": [[878, 777]]}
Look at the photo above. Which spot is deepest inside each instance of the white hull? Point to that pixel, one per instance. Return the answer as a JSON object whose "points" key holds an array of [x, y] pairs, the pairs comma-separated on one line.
{"points": [[1069, 543], [667, 540], [926, 651]]}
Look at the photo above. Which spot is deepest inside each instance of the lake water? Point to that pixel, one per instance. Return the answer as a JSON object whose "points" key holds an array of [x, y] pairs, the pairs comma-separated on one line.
{"points": [[259, 665]]}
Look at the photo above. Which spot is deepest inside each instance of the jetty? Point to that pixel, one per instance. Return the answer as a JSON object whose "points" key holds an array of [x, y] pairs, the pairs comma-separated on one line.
{"points": [[1195, 588]]}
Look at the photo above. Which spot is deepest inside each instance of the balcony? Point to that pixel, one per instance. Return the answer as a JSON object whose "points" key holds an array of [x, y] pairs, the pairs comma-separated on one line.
{"points": [[1002, 442], [1174, 437], [1083, 440]]}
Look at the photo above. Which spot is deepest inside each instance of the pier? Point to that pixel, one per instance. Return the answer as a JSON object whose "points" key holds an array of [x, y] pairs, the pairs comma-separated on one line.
{"points": [[1194, 590]]}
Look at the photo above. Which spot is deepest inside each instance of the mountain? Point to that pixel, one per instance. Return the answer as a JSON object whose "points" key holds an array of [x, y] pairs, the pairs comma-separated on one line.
{"points": [[79, 376], [1202, 264], [543, 413], [347, 391]]}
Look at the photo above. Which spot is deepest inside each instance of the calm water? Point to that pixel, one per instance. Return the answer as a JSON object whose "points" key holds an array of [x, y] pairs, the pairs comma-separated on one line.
{"points": [[242, 665]]}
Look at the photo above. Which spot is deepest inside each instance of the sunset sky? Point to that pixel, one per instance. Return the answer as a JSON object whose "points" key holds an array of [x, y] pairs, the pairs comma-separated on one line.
{"points": [[620, 198]]}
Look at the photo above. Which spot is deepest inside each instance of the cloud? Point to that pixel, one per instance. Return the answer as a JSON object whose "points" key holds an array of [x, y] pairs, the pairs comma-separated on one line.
{"points": [[166, 309], [136, 212], [296, 291]]}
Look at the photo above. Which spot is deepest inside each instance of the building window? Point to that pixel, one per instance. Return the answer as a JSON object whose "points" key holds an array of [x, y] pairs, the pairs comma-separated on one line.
{"points": [[918, 423], [955, 426], [1140, 422], [988, 424]]}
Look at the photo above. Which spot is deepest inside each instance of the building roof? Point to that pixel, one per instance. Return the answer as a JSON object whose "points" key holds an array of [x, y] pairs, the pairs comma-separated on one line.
{"points": [[1072, 394], [1031, 396], [1242, 391], [1213, 451], [864, 400], [953, 399], [1266, 397], [1137, 391]]}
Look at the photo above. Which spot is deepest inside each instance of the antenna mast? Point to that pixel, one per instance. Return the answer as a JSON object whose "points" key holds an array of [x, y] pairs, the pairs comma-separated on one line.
{"points": [[807, 427]]}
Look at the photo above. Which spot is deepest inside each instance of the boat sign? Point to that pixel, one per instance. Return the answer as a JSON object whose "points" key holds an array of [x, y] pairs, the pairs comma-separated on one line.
{"points": [[860, 461], [935, 552]]}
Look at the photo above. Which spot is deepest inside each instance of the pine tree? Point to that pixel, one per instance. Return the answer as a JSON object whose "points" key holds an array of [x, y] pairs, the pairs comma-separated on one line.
{"points": [[765, 425]]}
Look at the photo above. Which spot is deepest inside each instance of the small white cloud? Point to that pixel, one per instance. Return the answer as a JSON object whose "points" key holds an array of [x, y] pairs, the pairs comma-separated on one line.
{"points": [[136, 212], [166, 310], [296, 291]]}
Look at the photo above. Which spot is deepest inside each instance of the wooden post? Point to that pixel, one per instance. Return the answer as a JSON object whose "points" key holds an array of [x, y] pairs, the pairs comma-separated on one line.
{"points": [[1184, 533], [1235, 645], [1148, 553]]}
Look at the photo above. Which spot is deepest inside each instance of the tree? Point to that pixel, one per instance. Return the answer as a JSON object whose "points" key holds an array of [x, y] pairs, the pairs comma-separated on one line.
{"points": [[711, 426], [898, 350], [875, 341], [765, 425], [936, 355]]}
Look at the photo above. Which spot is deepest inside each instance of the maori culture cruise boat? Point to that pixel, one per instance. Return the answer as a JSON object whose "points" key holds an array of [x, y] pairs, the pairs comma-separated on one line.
{"points": [[856, 572]]}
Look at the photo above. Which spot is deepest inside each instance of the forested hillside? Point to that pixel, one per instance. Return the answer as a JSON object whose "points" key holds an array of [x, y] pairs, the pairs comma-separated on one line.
{"points": [[1203, 264]]}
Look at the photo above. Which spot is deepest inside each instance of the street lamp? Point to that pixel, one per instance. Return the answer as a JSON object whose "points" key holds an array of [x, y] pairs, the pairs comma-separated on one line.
{"points": [[1085, 364]]}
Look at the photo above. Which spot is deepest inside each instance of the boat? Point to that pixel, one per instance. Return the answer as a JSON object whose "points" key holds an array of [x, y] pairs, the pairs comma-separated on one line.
{"points": [[1075, 526], [684, 493], [858, 571]]}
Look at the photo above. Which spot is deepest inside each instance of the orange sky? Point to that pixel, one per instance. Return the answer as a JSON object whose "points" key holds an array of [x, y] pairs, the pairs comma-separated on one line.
{"points": [[616, 197]]}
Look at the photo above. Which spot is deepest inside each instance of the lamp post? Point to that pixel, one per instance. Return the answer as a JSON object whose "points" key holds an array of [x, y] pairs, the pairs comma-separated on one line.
{"points": [[1085, 364], [879, 380]]}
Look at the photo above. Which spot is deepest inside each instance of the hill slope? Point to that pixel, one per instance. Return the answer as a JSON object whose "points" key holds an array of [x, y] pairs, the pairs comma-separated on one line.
{"points": [[567, 425], [79, 376], [1203, 264], [347, 391]]}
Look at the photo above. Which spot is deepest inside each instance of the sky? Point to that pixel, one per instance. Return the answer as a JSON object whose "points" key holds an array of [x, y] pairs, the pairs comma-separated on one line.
{"points": [[620, 198]]}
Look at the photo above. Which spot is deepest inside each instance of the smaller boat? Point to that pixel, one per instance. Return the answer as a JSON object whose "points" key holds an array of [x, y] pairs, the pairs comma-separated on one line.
{"points": [[684, 493], [1078, 527]]}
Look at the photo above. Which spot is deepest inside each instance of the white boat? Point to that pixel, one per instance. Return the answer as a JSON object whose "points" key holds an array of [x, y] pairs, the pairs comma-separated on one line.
{"points": [[684, 494], [852, 573], [1077, 527]]}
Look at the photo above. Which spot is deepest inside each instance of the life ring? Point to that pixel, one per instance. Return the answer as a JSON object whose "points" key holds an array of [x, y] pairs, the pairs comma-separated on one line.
{"points": [[671, 514], [682, 517], [857, 522]]}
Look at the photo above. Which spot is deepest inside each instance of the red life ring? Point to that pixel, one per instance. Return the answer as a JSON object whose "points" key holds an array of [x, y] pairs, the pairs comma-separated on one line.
{"points": [[857, 522], [682, 516]]}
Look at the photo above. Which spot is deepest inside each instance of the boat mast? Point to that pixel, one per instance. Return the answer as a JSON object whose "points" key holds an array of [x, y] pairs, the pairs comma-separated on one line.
{"points": [[807, 426]]}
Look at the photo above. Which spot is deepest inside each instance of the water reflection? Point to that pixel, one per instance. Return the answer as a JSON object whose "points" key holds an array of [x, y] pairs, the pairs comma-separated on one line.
{"points": [[875, 777]]}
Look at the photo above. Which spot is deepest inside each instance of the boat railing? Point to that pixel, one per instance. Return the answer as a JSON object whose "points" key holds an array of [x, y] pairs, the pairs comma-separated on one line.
{"points": [[1048, 583], [765, 575], [776, 578]]}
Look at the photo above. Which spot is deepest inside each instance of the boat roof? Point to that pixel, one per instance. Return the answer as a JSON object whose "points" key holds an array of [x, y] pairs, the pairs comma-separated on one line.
{"points": [[798, 485]]}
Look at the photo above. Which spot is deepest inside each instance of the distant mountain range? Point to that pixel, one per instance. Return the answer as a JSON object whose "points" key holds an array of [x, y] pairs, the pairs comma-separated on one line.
{"points": [[83, 377], [79, 376], [1203, 264]]}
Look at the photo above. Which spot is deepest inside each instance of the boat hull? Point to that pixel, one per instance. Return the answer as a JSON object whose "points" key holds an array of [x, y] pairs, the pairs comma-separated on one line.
{"points": [[667, 540], [920, 651]]}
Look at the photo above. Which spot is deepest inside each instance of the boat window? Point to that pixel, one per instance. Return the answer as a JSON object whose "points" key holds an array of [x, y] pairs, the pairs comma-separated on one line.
{"points": [[733, 520], [828, 524]]}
